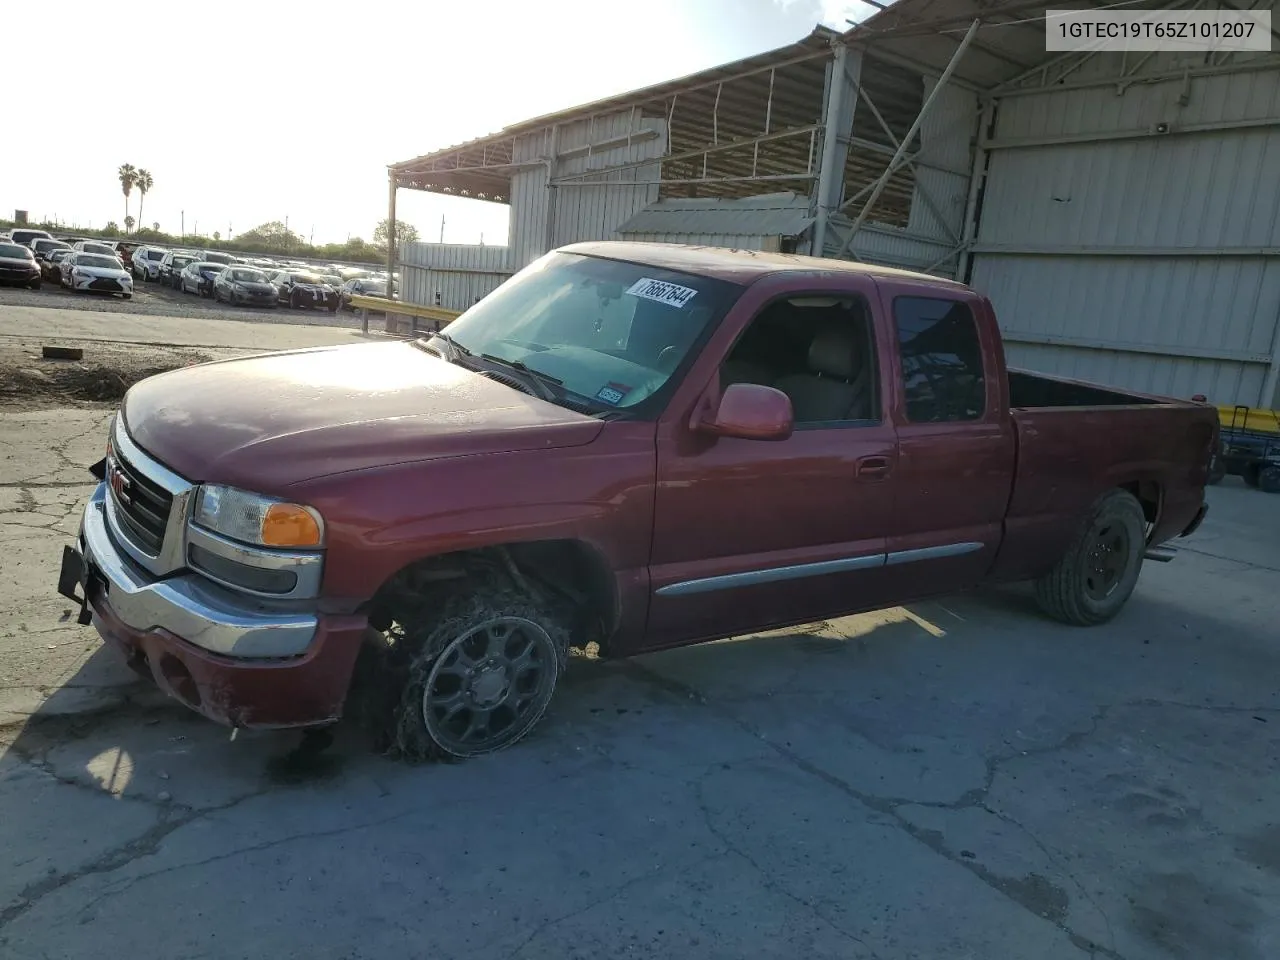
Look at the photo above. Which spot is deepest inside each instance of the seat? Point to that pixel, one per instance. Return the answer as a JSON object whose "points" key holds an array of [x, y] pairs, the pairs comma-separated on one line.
{"points": [[835, 386]]}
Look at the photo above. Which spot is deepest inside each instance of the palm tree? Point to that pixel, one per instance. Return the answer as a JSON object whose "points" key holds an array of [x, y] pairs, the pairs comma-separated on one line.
{"points": [[128, 177], [144, 184], [128, 224]]}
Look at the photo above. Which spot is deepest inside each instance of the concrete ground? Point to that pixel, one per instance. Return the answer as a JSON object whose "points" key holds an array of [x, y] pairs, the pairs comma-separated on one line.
{"points": [[960, 779]]}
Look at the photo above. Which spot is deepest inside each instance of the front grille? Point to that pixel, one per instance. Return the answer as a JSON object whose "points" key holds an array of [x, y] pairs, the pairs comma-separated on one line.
{"points": [[143, 509], [105, 283]]}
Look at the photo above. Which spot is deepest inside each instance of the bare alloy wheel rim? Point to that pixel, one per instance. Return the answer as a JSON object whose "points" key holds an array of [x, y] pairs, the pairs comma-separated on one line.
{"points": [[1107, 560], [489, 686]]}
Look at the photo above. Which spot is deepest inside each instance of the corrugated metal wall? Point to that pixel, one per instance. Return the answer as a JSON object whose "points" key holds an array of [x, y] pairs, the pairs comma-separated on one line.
{"points": [[1142, 259], [460, 273], [592, 211]]}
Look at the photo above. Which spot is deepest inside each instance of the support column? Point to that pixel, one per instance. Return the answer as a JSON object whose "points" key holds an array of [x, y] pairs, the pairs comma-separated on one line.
{"points": [[837, 128], [549, 240], [981, 156], [391, 233]]}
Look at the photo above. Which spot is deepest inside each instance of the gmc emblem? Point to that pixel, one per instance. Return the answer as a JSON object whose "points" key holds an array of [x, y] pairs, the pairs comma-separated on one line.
{"points": [[119, 482]]}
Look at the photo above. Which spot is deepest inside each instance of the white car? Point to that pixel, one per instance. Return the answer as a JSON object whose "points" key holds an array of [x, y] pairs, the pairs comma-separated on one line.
{"points": [[146, 262], [97, 272], [94, 246]]}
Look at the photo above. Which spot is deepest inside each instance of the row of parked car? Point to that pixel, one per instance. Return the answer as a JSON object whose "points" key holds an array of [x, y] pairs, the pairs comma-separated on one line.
{"points": [[29, 257]]}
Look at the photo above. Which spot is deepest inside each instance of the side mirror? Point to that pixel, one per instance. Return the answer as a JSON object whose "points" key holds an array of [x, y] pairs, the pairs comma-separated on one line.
{"points": [[750, 411]]}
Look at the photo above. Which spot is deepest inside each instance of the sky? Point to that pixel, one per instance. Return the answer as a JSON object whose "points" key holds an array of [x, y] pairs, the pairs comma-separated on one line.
{"points": [[247, 112]]}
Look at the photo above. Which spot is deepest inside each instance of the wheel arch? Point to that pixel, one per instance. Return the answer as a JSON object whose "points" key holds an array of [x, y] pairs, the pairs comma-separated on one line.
{"points": [[569, 573]]}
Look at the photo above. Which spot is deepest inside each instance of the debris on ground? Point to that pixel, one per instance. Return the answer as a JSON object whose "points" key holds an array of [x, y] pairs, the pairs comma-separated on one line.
{"points": [[29, 379]]}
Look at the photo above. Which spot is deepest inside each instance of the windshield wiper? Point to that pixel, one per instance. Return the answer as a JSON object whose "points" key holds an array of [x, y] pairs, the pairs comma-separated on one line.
{"points": [[545, 382]]}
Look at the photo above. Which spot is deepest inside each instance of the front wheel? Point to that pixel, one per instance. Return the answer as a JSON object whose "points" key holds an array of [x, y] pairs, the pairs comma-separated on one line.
{"points": [[1099, 570], [486, 665]]}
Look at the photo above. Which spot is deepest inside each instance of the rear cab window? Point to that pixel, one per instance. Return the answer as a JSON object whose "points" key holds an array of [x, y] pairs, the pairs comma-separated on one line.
{"points": [[941, 357]]}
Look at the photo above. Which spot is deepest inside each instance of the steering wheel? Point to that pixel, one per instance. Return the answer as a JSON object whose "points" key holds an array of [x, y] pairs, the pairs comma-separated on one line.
{"points": [[668, 358]]}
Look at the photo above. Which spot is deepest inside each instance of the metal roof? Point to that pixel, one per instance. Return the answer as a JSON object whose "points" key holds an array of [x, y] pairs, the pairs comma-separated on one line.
{"points": [[766, 215], [1009, 44], [487, 150]]}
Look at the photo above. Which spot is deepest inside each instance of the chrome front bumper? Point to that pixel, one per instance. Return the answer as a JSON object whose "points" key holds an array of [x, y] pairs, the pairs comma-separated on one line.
{"points": [[187, 604]]}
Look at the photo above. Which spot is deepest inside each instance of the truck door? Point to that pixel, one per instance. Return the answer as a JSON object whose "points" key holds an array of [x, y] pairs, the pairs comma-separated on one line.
{"points": [[750, 534], [955, 441]]}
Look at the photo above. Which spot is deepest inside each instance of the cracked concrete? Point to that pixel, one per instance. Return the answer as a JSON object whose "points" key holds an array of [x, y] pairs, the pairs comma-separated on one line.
{"points": [[963, 779]]}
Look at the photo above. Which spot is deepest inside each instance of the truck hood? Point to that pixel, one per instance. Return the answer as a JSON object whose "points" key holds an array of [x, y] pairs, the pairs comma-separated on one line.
{"points": [[266, 422]]}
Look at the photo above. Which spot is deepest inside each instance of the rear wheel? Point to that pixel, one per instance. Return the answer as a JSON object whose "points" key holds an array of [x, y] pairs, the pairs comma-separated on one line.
{"points": [[1099, 570], [1269, 480], [34, 284], [485, 664]]}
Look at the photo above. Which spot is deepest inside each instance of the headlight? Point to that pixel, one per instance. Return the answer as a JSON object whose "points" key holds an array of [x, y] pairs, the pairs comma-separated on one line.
{"points": [[252, 518]]}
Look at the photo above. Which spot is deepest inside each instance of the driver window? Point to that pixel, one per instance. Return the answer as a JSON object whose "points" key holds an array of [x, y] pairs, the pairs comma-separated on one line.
{"points": [[819, 351]]}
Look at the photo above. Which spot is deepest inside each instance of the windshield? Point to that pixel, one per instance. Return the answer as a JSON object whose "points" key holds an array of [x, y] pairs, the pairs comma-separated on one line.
{"points": [[210, 267], [222, 258], [612, 332], [182, 261], [248, 276], [98, 248], [93, 260], [153, 255], [41, 245], [306, 278], [13, 250]]}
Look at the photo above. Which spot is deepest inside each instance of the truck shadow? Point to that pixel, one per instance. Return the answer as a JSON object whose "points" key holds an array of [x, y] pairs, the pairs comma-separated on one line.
{"points": [[961, 651]]}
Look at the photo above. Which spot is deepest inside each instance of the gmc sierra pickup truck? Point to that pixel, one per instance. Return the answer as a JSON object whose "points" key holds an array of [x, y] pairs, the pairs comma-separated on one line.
{"points": [[632, 445]]}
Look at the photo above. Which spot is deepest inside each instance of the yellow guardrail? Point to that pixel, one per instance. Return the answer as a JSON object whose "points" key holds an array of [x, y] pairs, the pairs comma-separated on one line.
{"points": [[1250, 418], [383, 305]]}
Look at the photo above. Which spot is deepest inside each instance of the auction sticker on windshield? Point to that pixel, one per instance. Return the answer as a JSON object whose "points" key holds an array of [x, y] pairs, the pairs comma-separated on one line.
{"points": [[672, 294], [613, 393]]}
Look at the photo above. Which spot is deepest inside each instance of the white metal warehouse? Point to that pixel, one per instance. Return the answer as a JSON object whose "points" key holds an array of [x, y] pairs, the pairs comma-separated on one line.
{"points": [[1121, 210]]}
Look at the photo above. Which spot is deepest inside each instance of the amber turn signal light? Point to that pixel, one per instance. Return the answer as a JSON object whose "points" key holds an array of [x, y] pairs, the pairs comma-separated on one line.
{"points": [[289, 525]]}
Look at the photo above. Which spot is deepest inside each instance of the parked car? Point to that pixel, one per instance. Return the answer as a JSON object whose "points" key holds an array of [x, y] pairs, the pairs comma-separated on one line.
{"points": [[100, 247], [18, 266], [146, 263], [638, 446], [360, 287], [198, 276], [51, 266], [171, 266], [43, 246], [301, 290], [244, 285], [24, 235], [95, 272]]}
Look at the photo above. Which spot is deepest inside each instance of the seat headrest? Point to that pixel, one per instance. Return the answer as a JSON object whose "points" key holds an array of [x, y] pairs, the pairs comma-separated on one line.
{"points": [[833, 351]]}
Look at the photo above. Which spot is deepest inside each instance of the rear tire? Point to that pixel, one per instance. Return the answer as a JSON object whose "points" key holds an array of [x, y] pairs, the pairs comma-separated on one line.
{"points": [[1269, 480], [1099, 570], [484, 667]]}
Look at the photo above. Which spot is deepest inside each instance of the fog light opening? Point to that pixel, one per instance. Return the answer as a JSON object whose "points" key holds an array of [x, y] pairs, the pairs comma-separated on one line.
{"points": [[180, 681]]}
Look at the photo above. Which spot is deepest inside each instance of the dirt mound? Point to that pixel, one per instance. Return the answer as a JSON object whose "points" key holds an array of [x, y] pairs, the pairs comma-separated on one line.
{"points": [[102, 382]]}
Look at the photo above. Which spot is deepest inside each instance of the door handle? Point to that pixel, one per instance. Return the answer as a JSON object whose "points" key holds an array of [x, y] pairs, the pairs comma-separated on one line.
{"points": [[873, 468]]}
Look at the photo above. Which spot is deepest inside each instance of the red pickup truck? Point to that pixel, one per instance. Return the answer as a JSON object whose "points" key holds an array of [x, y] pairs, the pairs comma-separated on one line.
{"points": [[636, 445]]}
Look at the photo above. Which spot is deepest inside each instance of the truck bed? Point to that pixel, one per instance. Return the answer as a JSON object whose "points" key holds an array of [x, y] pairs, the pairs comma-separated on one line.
{"points": [[1029, 391], [1072, 437]]}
